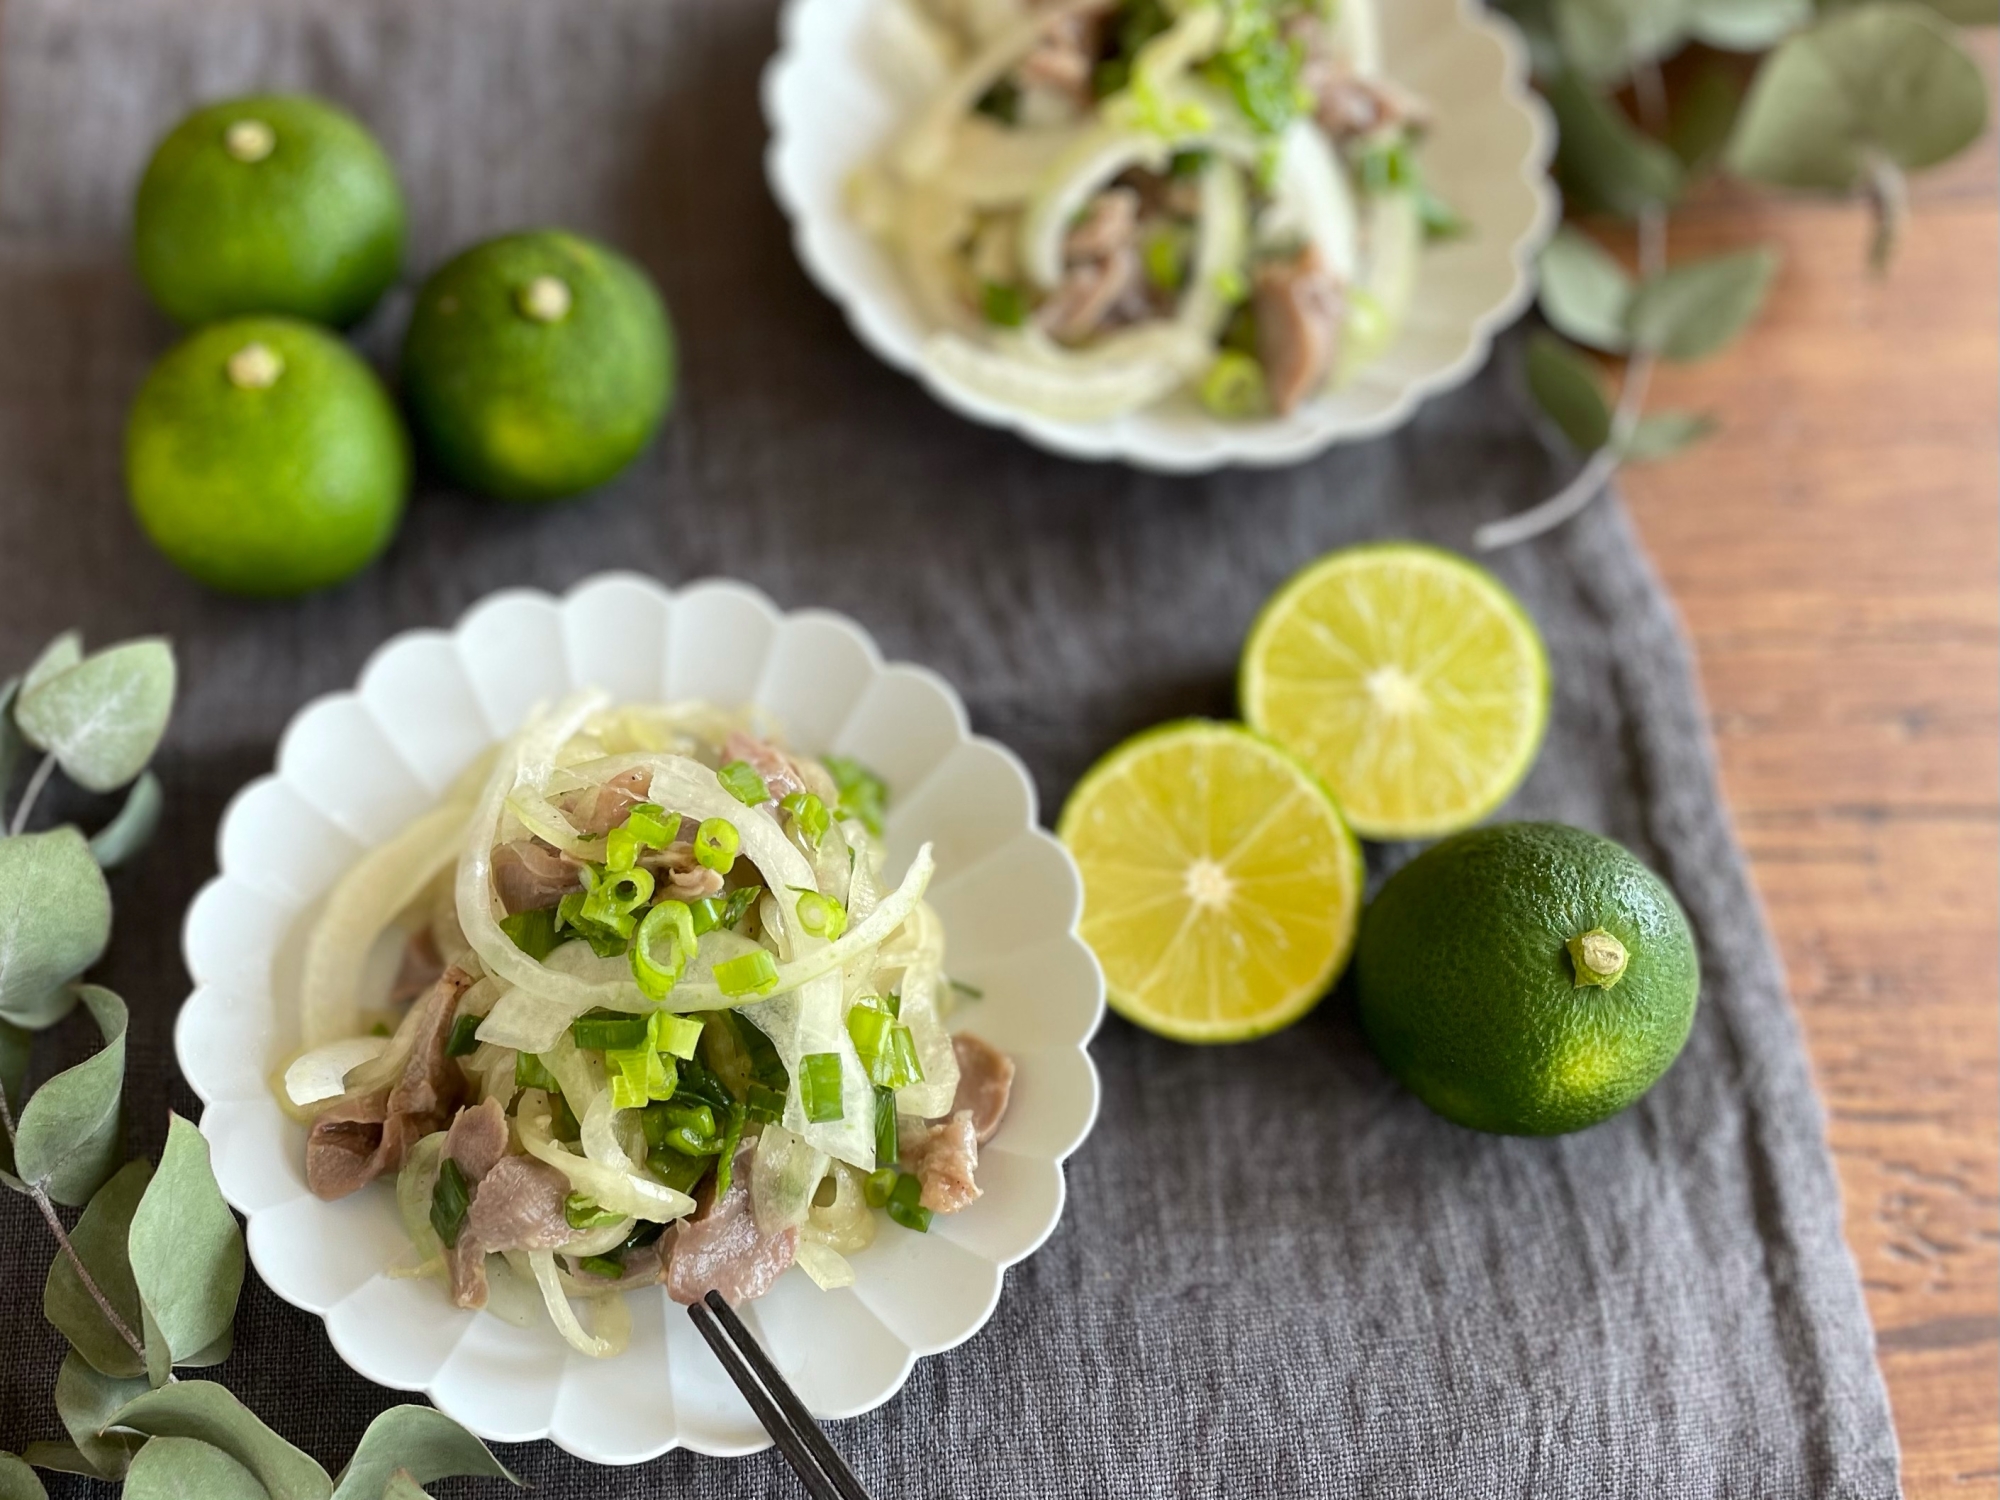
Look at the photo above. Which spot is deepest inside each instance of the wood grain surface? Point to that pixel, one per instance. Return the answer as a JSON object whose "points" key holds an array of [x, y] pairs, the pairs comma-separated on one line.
{"points": [[1835, 551]]}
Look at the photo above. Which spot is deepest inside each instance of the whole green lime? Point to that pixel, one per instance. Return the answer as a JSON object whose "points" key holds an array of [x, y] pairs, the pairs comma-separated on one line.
{"points": [[277, 203], [1527, 978], [264, 457], [538, 365]]}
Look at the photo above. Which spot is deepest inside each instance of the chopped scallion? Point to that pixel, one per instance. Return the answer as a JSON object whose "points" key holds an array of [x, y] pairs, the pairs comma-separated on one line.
{"points": [[464, 1038], [903, 1204], [741, 780], [879, 1185], [681, 1125], [450, 1200], [533, 932], [894, 1064], [863, 794], [820, 1087], [707, 913], [970, 991], [822, 916], [870, 1029], [678, 1171], [580, 1211], [607, 1266], [885, 1127], [1003, 304], [529, 1073], [740, 902], [732, 1137], [715, 845], [608, 1030], [809, 816], [661, 948], [675, 1034], [749, 974]]}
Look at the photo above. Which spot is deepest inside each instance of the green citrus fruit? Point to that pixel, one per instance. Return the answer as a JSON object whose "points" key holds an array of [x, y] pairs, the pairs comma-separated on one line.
{"points": [[272, 204], [538, 365], [1528, 978], [264, 457], [1220, 886], [1409, 679]]}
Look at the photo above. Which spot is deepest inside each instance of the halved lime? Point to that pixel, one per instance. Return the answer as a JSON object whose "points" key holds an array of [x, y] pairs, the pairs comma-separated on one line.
{"points": [[1409, 679], [1221, 889]]}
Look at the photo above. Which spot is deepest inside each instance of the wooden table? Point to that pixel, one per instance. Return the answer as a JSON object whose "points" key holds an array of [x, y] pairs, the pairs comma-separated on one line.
{"points": [[1835, 551]]}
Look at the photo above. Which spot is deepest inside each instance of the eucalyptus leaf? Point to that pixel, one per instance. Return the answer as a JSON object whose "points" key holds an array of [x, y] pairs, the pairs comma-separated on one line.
{"points": [[181, 1468], [64, 1458], [137, 821], [11, 743], [55, 919], [1663, 434], [402, 1487], [159, 1353], [67, 1142], [1746, 25], [1968, 12], [204, 1410], [1704, 113], [1605, 39], [1605, 161], [99, 1241], [1883, 83], [1691, 310], [15, 1046], [1585, 291], [187, 1253], [102, 719], [59, 655], [211, 1354], [1569, 389], [18, 1481], [421, 1442], [87, 1400]]}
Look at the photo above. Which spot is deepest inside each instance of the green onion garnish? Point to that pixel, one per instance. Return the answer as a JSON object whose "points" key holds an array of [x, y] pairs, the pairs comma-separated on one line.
{"points": [[607, 1266], [464, 1038], [970, 991], [1003, 304], [608, 1030], [647, 826], [530, 1074], [904, 1207], [749, 974], [661, 948], [701, 1085], [680, 1172], [581, 1211], [740, 779], [726, 1159], [640, 1075], [450, 1201], [674, 1034], [870, 1029], [562, 1121], [764, 1103], [822, 916], [740, 902], [809, 816], [380, 1028], [863, 794], [614, 895], [888, 1048], [885, 1127], [533, 932], [707, 913], [894, 1000], [681, 1125], [820, 1087], [715, 845], [879, 1185]]}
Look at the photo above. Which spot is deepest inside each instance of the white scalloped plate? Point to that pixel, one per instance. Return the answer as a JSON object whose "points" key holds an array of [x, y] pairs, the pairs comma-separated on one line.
{"points": [[1487, 154], [354, 767]]}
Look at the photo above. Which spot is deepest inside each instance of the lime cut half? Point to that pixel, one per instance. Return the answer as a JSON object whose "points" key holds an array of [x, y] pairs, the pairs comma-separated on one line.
{"points": [[1221, 888], [1410, 680]]}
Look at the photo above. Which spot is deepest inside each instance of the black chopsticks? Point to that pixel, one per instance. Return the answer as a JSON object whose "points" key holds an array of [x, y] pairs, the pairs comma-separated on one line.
{"points": [[815, 1460]]}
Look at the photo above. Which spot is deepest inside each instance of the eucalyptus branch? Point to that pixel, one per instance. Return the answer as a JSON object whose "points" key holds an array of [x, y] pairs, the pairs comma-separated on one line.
{"points": [[55, 1223], [30, 794]]}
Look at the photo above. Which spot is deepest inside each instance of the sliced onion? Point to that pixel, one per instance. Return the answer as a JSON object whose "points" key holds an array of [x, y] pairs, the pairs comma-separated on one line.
{"points": [[597, 1241], [321, 1074], [827, 1267], [550, 1280], [922, 1014], [847, 1224], [784, 1175], [621, 1191], [415, 1184]]}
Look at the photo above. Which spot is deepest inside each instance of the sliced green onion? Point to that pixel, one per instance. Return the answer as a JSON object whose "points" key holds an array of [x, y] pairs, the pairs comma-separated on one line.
{"points": [[715, 845], [680, 1172], [725, 1162], [970, 991], [610, 1267], [530, 1074], [580, 1211], [863, 794], [451, 1199], [380, 1028], [809, 816], [904, 1207], [764, 1103], [895, 1064], [870, 1029], [608, 1030], [661, 948], [1234, 387], [675, 1034], [894, 1000], [533, 932], [820, 1087], [822, 916], [563, 1122], [641, 1075], [681, 1125], [605, 941], [750, 974], [701, 1085], [1003, 304], [612, 898], [652, 825], [740, 902], [885, 1127], [707, 913], [464, 1038], [621, 849], [740, 779], [879, 1185]]}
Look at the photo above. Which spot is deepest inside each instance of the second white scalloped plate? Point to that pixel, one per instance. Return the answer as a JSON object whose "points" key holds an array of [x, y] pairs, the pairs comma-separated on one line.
{"points": [[354, 767], [1487, 154]]}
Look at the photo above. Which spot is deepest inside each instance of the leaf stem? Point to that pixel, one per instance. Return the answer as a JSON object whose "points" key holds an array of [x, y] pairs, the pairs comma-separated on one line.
{"points": [[30, 793], [1889, 195], [41, 1197]]}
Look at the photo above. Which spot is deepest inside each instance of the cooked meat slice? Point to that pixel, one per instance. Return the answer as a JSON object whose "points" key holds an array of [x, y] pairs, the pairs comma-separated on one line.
{"points": [[516, 1205], [1299, 306], [1350, 105], [721, 1249], [1101, 269], [478, 1138], [529, 875], [420, 967], [679, 874], [985, 1082], [1063, 58], [357, 1138], [782, 773], [1109, 225], [943, 1155], [599, 809]]}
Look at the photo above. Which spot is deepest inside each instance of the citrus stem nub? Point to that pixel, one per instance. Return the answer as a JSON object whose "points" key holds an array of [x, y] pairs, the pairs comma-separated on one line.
{"points": [[545, 299], [255, 367], [249, 140], [1599, 957]]}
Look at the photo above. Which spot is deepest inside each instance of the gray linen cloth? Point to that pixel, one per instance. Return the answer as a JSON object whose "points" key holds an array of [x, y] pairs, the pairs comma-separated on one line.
{"points": [[1278, 1274]]}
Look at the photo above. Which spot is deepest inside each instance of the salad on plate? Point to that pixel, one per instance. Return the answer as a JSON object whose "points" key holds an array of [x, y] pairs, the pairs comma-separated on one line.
{"points": [[657, 1017], [1099, 205]]}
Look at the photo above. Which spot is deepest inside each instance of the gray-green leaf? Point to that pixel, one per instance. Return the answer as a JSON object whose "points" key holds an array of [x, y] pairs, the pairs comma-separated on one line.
{"points": [[103, 718], [1604, 39], [1746, 25], [402, 1487], [1568, 388], [1604, 161], [187, 1253], [99, 1241], [55, 918], [1663, 434], [11, 743], [87, 1400], [1585, 291], [59, 655], [15, 1046], [1882, 82], [181, 1468], [68, 1142], [18, 1481], [420, 1440], [137, 821], [201, 1409], [1705, 111], [64, 1458], [1692, 310]]}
